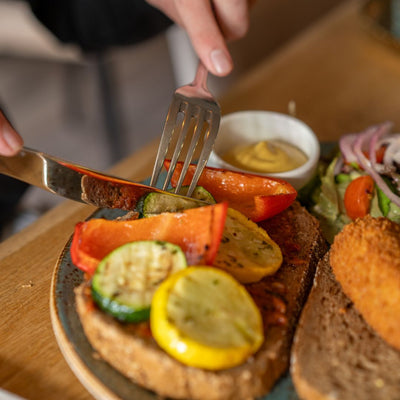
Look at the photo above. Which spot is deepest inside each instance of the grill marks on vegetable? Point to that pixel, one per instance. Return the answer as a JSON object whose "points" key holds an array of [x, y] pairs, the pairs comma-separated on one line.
{"points": [[199, 300], [125, 281], [246, 251]]}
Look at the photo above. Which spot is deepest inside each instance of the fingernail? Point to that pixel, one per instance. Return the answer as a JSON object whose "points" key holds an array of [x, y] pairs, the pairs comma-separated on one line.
{"points": [[221, 62], [12, 139]]}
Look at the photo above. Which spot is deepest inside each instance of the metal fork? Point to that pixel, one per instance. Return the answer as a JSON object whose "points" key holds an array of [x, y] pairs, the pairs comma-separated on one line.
{"points": [[193, 111]]}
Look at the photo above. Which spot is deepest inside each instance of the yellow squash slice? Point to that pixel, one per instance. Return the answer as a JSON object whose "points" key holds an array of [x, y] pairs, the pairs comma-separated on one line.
{"points": [[246, 251], [204, 318]]}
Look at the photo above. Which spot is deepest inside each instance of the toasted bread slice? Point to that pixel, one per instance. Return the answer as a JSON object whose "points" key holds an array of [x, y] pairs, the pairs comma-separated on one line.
{"points": [[280, 297], [336, 354]]}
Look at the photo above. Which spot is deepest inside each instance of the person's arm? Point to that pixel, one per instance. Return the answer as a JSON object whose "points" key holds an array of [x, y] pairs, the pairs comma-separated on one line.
{"points": [[209, 25], [10, 141]]}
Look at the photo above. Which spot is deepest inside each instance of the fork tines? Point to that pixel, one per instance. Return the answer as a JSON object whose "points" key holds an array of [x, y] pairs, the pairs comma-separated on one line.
{"points": [[190, 121]]}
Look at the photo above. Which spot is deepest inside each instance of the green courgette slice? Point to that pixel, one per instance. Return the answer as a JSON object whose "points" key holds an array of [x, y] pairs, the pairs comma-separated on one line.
{"points": [[125, 280], [199, 193], [157, 203]]}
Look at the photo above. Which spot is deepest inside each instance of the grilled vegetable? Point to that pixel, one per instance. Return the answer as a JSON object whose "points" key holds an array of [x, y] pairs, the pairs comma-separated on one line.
{"points": [[125, 280], [156, 203], [199, 193], [204, 318], [255, 196], [246, 250], [197, 231]]}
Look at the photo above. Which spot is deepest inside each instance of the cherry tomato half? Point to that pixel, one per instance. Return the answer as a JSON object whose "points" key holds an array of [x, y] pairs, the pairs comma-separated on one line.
{"points": [[358, 196]]}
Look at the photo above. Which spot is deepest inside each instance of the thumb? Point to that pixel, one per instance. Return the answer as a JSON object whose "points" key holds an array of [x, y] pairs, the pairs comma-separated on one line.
{"points": [[10, 141]]}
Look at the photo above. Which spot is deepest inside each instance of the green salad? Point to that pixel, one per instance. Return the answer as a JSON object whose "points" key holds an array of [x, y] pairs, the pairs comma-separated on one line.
{"points": [[363, 177]]}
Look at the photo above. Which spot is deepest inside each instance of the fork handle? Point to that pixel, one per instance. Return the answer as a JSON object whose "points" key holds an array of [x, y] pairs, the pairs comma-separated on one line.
{"points": [[200, 80]]}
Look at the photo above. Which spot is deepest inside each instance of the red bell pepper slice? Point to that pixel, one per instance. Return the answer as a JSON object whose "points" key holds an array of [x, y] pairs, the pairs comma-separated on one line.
{"points": [[255, 196], [358, 196], [197, 231]]}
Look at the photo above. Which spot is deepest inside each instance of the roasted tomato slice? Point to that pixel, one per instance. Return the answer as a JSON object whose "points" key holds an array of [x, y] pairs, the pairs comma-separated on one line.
{"points": [[255, 196]]}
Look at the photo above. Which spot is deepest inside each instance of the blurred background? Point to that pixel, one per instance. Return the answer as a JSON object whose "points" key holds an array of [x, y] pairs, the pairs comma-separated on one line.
{"points": [[94, 108]]}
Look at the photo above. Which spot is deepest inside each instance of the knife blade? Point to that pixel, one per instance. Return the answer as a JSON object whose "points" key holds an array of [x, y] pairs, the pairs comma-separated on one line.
{"points": [[76, 182]]}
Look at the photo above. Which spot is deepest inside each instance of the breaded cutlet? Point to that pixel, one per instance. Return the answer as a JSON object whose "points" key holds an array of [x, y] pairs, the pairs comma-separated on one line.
{"points": [[365, 258]]}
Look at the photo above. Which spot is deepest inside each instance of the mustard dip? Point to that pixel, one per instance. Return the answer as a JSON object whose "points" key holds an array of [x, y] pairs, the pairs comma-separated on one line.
{"points": [[266, 156]]}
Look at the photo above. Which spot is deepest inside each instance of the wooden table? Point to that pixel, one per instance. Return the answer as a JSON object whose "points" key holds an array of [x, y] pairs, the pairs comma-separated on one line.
{"points": [[341, 79]]}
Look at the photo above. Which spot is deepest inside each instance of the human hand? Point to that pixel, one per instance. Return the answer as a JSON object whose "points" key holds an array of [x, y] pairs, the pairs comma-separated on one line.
{"points": [[210, 24], [10, 141]]}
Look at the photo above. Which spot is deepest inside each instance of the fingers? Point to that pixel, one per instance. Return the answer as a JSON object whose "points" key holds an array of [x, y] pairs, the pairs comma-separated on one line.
{"points": [[209, 24], [200, 22], [10, 141], [232, 17]]}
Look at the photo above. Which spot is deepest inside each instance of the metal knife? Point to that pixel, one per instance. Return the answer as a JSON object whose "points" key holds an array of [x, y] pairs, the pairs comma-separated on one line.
{"points": [[76, 182]]}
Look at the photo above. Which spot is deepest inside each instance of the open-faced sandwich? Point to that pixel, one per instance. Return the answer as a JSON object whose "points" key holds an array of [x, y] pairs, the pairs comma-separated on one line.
{"points": [[200, 303]]}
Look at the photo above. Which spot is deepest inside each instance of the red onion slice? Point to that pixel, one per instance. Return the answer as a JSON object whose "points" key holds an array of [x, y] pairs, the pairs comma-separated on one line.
{"points": [[380, 132], [366, 165], [346, 147], [392, 152]]}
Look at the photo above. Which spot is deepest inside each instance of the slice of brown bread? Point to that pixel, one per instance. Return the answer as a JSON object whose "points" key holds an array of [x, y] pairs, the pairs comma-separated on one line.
{"points": [[132, 350], [336, 354]]}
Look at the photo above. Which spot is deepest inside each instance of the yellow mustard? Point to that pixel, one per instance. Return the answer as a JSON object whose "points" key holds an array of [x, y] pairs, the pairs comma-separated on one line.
{"points": [[266, 156]]}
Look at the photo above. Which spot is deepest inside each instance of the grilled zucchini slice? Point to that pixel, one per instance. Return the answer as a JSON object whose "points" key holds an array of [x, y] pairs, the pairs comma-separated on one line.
{"points": [[126, 279], [199, 193], [156, 203]]}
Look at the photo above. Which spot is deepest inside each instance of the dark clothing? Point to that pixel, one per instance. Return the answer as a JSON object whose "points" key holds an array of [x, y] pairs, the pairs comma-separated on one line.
{"points": [[10, 193], [95, 25]]}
